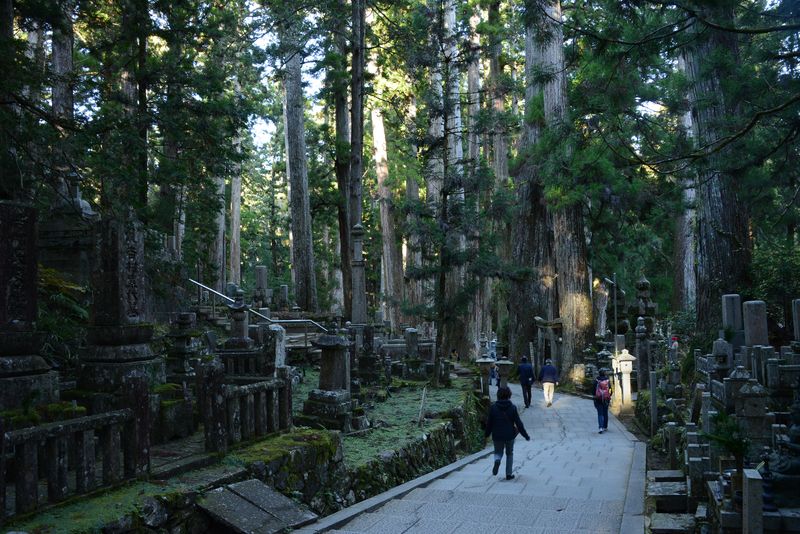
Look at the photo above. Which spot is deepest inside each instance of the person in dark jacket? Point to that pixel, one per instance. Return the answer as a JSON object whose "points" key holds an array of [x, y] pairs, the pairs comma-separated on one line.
{"points": [[549, 379], [525, 371], [503, 425], [602, 398]]}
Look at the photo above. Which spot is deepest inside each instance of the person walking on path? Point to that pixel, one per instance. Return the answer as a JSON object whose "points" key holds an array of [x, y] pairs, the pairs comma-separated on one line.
{"points": [[549, 379], [503, 425], [525, 371], [602, 398]]}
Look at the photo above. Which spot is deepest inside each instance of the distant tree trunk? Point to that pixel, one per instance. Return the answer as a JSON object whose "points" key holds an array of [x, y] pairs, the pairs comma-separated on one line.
{"points": [[724, 247], [62, 95], [392, 255], [457, 332], [499, 138], [236, 227], [575, 306], [533, 293], [342, 166], [481, 304], [302, 245], [413, 244], [217, 250]]}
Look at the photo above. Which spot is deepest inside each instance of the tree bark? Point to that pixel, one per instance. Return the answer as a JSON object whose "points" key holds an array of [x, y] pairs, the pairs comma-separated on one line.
{"points": [[357, 112], [724, 247], [392, 255], [414, 292], [533, 293], [294, 128], [572, 282], [235, 259], [338, 85], [7, 20]]}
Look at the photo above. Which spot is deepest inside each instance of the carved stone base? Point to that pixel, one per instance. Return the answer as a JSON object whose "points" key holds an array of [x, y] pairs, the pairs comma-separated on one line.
{"points": [[39, 388], [107, 376], [330, 409]]}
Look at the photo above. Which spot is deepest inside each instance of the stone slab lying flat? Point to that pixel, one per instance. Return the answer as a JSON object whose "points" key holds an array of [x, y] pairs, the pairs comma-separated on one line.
{"points": [[666, 475], [668, 497], [251, 507]]}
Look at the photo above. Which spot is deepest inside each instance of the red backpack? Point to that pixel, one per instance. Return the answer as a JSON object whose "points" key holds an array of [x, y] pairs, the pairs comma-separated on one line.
{"points": [[602, 391]]}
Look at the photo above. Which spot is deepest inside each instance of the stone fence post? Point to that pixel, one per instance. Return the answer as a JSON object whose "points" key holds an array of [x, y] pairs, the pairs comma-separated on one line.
{"points": [[213, 406], [753, 502], [285, 399], [137, 441]]}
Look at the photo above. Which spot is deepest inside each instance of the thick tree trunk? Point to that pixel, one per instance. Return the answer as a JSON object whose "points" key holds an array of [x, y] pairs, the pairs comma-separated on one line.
{"points": [[457, 332], [63, 100], [392, 255], [532, 293], [572, 282], [302, 245], [684, 292], [6, 21], [724, 248], [357, 112], [342, 166], [413, 260]]}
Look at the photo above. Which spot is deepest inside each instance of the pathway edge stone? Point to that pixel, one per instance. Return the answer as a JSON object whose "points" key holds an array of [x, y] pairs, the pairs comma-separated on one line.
{"points": [[633, 510], [343, 516]]}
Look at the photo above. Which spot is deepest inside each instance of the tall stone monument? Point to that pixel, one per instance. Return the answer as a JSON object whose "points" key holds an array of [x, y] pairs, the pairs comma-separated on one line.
{"points": [[24, 375], [119, 334], [331, 404], [359, 307]]}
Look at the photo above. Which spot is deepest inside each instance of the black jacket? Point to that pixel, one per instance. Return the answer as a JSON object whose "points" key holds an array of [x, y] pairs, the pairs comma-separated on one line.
{"points": [[525, 371], [503, 418]]}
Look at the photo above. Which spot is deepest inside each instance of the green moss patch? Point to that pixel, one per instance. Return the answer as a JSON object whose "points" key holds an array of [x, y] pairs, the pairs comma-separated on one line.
{"points": [[275, 447]]}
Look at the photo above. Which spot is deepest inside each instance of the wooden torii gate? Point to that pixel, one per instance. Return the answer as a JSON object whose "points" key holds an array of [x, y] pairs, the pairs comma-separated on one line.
{"points": [[548, 336]]}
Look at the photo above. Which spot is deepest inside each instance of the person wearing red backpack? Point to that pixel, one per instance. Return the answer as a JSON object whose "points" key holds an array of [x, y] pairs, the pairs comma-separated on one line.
{"points": [[602, 398]]}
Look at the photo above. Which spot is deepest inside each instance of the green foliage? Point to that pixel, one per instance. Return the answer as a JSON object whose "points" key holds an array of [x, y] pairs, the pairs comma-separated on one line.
{"points": [[729, 436]]}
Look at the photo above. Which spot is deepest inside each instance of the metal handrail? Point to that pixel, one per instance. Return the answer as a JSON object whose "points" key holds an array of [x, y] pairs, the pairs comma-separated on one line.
{"points": [[274, 321]]}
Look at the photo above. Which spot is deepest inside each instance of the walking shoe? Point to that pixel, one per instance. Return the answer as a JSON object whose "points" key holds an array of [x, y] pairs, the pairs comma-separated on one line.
{"points": [[496, 467], [601, 431], [549, 404], [509, 477]]}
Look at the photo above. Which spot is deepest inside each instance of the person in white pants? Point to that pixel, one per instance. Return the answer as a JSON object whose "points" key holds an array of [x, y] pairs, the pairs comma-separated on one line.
{"points": [[549, 379]]}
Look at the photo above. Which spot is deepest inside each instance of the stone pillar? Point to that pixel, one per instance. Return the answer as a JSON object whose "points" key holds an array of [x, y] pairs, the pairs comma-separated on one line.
{"points": [[275, 345], [119, 334], [653, 404], [359, 304], [334, 372], [24, 375], [643, 367], [732, 312], [619, 343], [284, 297], [412, 343], [796, 318], [752, 503], [755, 323]]}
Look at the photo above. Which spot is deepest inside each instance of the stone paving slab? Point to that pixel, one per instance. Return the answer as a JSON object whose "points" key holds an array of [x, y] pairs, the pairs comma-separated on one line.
{"points": [[568, 478]]}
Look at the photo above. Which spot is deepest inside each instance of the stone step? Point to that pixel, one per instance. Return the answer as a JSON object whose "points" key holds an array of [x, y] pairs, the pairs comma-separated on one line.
{"points": [[253, 507], [667, 497], [183, 465], [672, 524]]}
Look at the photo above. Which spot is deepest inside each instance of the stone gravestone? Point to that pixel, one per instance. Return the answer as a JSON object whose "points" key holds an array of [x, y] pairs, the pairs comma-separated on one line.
{"points": [[732, 319], [412, 343], [24, 375], [275, 344], [283, 303], [260, 296], [330, 405], [642, 355], [755, 323], [119, 335], [796, 318]]}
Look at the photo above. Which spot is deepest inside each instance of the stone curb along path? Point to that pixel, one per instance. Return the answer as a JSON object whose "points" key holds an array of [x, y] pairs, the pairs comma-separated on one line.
{"points": [[569, 478]]}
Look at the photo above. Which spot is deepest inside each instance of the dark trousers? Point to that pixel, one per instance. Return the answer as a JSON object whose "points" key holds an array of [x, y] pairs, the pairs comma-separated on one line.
{"points": [[526, 394], [602, 414], [498, 453]]}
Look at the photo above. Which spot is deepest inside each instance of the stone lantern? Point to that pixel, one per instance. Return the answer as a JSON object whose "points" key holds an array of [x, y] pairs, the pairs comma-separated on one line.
{"points": [[504, 369], [484, 364], [623, 364]]}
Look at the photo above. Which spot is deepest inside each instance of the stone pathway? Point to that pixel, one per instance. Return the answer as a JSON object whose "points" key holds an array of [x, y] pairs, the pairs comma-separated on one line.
{"points": [[569, 478]]}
